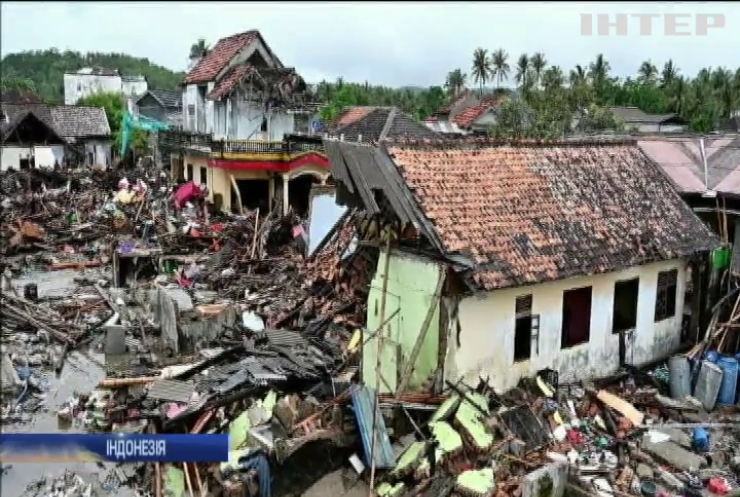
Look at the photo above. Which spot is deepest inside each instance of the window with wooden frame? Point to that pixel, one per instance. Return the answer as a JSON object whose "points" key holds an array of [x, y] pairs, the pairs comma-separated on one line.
{"points": [[523, 328], [624, 312], [665, 299], [576, 317]]}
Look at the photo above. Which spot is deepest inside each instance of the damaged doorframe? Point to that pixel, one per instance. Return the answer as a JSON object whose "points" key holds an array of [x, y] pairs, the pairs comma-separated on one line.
{"points": [[436, 296]]}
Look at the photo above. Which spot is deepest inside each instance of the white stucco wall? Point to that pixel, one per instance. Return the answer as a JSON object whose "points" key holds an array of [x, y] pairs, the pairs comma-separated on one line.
{"points": [[672, 128], [134, 88], [101, 152], [280, 124], [486, 339], [10, 157], [235, 117], [45, 156], [77, 86]]}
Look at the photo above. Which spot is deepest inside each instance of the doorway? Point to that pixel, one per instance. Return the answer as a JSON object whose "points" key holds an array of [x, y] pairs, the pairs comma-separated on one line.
{"points": [[254, 193], [299, 194]]}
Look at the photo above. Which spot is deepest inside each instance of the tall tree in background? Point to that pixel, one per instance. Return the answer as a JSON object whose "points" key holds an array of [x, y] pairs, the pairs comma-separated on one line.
{"points": [[523, 74], [539, 62], [198, 49], [115, 106], [500, 65], [598, 71], [455, 82], [647, 72], [481, 67], [669, 74]]}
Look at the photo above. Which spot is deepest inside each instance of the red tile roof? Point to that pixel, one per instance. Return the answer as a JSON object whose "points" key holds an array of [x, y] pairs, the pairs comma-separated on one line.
{"points": [[351, 115], [229, 81], [467, 117], [529, 213], [219, 56]]}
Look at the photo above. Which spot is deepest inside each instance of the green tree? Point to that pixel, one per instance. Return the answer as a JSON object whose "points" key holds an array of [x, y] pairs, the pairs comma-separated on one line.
{"points": [[44, 70], [500, 65], [115, 107], [481, 67], [198, 49], [539, 62], [455, 82], [522, 71]]}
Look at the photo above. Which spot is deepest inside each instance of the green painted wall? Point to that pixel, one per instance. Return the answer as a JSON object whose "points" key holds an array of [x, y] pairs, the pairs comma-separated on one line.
{"points": [[411, 285]]}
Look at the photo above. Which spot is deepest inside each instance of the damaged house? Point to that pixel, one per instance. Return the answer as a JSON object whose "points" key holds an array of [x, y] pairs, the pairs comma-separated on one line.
{"points": [[40, 135], [240, 105], [372, 124], [475, 279], [467, 114]]}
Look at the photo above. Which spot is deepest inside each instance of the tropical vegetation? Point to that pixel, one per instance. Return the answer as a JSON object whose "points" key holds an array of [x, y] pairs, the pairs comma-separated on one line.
{"points": [[114, 105], [42, 71], [544, 93]]}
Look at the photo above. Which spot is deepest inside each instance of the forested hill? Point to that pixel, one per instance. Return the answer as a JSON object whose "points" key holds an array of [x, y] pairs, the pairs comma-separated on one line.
{"points": [[42, 71]]}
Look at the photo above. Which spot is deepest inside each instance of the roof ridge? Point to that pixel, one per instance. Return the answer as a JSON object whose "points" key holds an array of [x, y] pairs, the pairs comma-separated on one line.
{"points": [[388, 123], [466, 142]]}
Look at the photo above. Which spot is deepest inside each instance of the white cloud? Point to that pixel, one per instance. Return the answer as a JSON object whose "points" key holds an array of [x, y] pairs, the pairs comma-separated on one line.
{"points": [[385, 43]]}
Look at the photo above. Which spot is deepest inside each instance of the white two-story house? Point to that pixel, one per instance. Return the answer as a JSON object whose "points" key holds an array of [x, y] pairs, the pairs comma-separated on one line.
{"points": [[247, 102]]}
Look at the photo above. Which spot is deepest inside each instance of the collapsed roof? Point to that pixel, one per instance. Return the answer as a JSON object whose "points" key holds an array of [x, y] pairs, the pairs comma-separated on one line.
{"points": [[372, 124], [523, 213]]}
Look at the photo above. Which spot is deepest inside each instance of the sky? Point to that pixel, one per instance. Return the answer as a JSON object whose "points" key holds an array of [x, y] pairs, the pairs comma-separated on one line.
{"points": [[389, 43]]}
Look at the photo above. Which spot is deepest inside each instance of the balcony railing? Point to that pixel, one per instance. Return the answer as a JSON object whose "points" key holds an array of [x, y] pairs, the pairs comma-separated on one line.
{"points": [[184, 139], [290, 146]]}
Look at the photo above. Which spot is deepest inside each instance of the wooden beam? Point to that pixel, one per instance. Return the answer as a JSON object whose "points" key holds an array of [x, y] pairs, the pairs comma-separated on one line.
{"points": [[422, 335], [236, 189]]}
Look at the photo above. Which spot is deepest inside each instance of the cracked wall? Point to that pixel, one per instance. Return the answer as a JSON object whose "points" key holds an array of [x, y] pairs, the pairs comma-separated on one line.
{"points": [[487, 329]]}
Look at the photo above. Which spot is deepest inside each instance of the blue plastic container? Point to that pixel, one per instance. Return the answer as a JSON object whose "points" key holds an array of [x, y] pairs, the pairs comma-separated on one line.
{"points": [[728, 388], [700, 440]]}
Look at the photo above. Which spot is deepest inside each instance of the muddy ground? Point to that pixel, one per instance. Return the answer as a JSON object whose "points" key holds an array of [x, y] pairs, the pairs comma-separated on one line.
{"points": [[81, 373]]}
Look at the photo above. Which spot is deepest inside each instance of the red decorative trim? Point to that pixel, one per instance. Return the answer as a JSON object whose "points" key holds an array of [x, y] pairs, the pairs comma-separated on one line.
{"points": [[264, 165]]}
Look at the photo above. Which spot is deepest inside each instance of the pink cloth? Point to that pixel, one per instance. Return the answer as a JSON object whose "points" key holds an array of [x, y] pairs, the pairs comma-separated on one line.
{"points": [[185, 193]]}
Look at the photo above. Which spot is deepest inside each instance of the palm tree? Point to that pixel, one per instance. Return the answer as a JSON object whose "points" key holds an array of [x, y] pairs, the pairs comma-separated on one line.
{"points": [[669, 74], [538, 65], [522, 70], [679, 94], [198, 49], [647, 72], [599, 73], [577, 76], [481, 67], [553, 79], [455, 81], [500, 63]]}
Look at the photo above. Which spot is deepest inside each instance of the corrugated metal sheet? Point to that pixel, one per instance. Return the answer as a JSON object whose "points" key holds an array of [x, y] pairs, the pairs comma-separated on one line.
{"points": [[172, 390], [261, 373], [285, 338], [363, 400]]}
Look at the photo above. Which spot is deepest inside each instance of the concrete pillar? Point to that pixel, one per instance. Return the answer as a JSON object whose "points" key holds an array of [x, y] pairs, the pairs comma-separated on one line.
{"points": [[286, 183], [271, 192]]}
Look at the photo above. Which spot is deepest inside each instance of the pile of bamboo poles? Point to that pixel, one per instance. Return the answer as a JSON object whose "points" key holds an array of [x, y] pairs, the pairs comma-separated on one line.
{"points": [[19, 313], [722, 337]]}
